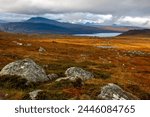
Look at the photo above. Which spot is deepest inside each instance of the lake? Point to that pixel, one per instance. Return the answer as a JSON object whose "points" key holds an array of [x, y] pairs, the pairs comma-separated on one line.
{"points": [[99, 34]]}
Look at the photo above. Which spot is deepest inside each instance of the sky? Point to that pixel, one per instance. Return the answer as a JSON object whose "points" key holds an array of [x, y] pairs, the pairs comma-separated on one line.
{"points": [[104, 12]]}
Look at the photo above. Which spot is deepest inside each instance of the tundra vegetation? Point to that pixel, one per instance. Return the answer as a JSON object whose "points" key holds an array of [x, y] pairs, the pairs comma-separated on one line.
{"points": [[123, 61]]}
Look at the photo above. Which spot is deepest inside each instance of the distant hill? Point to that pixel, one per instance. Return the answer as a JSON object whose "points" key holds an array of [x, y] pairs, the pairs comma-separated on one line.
{"points": [[142, 32], [114, 27], [42, 25]]}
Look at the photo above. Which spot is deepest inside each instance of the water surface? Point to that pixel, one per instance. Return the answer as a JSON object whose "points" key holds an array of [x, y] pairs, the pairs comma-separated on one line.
{"points": [[99, 34]]}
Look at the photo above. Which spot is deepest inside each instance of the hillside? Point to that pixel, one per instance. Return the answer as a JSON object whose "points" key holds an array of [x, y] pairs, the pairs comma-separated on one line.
{"points": [[141, 33]]}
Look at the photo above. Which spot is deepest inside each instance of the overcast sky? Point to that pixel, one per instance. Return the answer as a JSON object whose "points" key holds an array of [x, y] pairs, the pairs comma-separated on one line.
{"points": [[124, 12]]}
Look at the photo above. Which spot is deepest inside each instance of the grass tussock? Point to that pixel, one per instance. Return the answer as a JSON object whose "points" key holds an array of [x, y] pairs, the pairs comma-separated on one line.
{"points": [[102, 74]]}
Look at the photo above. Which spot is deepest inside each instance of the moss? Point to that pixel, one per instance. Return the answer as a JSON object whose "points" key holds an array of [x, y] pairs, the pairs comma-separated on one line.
{"points": [[84, 97], [87, 63], [135, 89], [78, 83], [106, 66], [49, 95], [16, 82], [102, 74], [26, 96], [92, 90], [58, 95], [43, 95], [59, 67], [62, 84]]}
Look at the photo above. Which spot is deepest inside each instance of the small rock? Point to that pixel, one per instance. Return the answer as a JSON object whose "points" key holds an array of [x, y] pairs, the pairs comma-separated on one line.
{"points": [[29, 44], [18, 43], [33, 95], [6, 94], [114, 92], [75, 73], [42, 50], [52, 76]]}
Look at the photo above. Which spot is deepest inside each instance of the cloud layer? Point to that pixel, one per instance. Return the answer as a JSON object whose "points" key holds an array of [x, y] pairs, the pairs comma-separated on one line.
{"points": [[95, 11], [115, 7]]}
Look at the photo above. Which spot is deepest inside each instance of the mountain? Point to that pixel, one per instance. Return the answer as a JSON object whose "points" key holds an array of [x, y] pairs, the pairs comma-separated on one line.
{"points": [[41, 20], [142, 32], [46, 26]]}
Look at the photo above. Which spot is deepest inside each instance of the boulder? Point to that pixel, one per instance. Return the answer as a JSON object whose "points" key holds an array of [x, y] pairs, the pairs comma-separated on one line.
{"points": [[76, 73], [114, 92], [27, 69]]}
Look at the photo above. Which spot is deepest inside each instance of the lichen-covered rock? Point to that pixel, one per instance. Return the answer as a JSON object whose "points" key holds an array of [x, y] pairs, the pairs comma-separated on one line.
{"points": [[33, 95], [52, 76], [114, 92], [27, 69], [76, 72], [66, 78]]}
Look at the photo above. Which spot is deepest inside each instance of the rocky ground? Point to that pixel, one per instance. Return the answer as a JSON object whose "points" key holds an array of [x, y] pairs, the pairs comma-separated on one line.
{"points": [[66, 67]]}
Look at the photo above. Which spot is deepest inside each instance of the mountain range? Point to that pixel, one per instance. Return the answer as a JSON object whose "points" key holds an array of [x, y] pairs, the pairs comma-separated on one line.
{"points": [[40, 25]]}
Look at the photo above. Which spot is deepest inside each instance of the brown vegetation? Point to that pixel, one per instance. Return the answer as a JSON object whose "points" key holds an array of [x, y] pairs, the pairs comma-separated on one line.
{"points": [[126, 63]]}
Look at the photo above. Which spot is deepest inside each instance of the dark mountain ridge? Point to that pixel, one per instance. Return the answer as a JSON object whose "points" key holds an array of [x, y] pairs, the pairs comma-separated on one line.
{"points": [[141, 32], [46, 26]]}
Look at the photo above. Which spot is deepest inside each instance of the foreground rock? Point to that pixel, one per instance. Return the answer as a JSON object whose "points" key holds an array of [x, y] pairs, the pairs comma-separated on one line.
{"points": [[27, 69], [34, 94], [114, 92], [78, 73], [77, 76]]}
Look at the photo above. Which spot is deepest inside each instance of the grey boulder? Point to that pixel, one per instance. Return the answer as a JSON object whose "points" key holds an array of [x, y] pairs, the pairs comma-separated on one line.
{"points": [[114, 92], [52, 76], [27, 69], [78, 73]]}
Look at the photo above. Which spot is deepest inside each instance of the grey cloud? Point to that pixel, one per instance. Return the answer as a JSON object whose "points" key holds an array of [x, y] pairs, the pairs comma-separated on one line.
{"points": [[128, 12], [115, 7]]}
